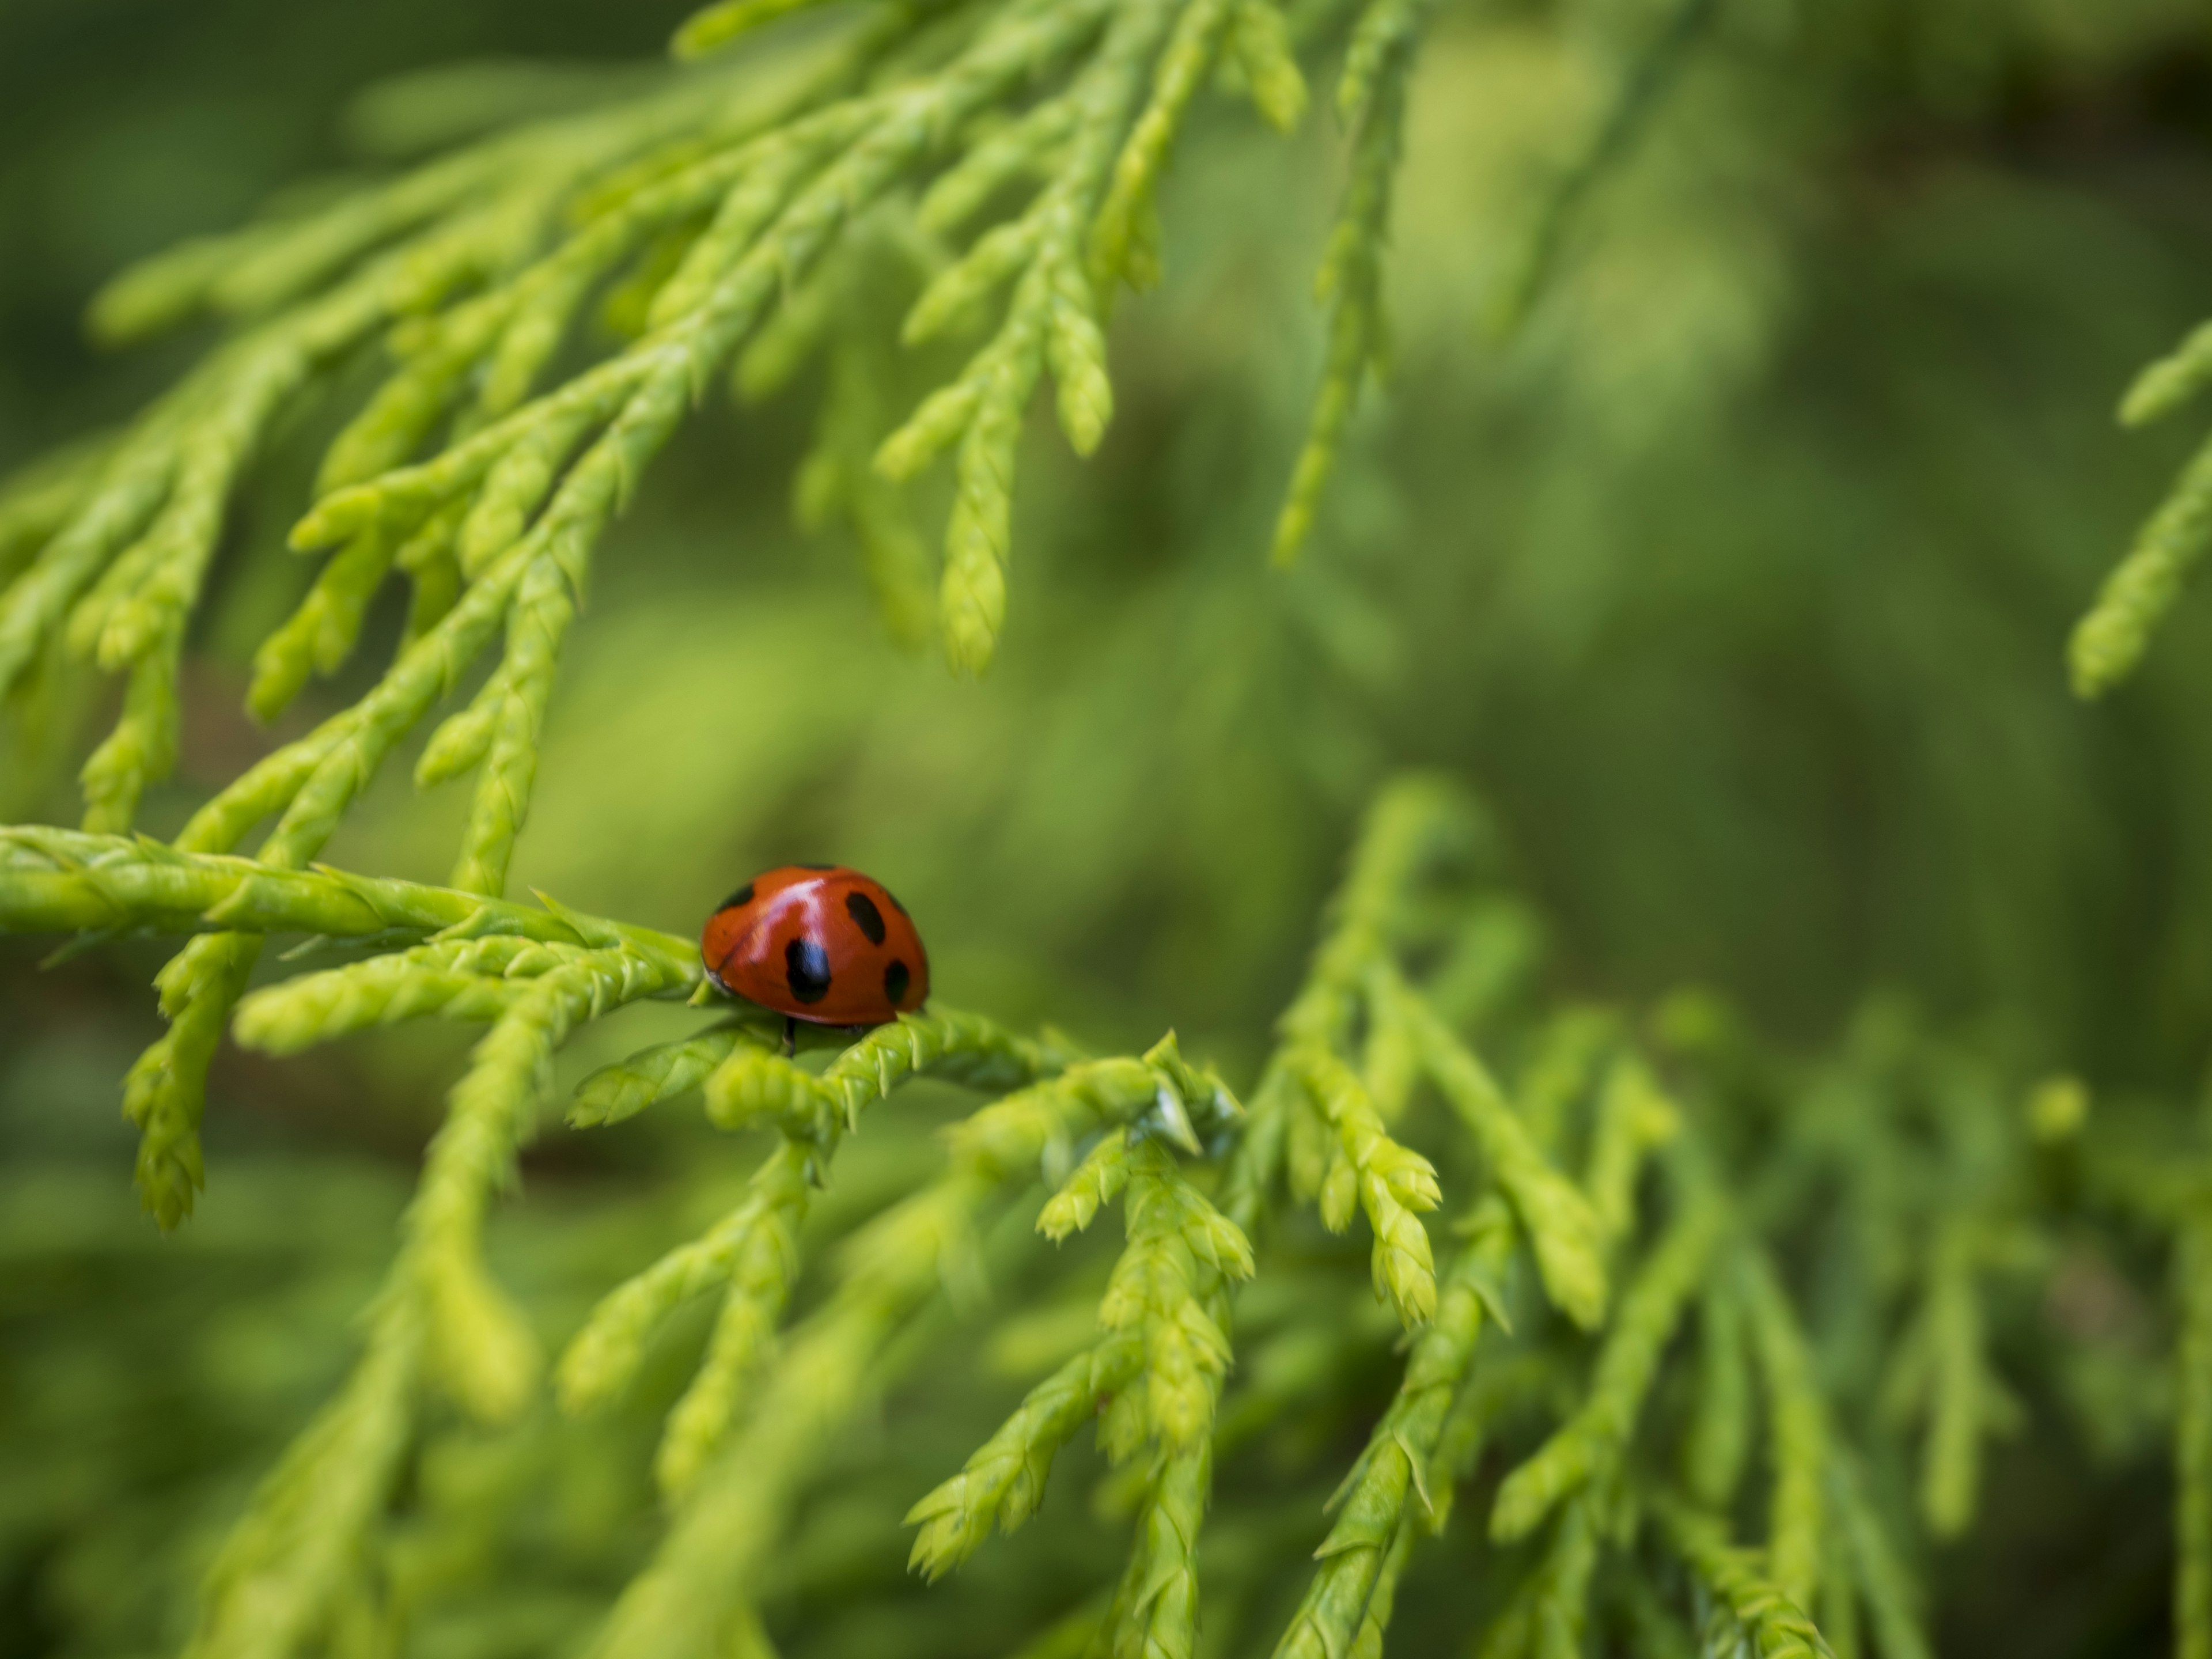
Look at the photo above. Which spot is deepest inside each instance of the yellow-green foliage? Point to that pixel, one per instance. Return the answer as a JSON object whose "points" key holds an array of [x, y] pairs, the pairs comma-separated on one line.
{"points": [[1707, 1343], [759, 1419]]}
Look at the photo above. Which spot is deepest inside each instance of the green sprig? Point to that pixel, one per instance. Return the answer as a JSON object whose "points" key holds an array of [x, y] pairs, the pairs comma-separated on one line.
{"points": [[752, 1087], [1891, 1596], [464, 979], [1718, 1437], [56, 881], [1589, 1446], [1003, 1483], [1402, 1461], [2171, 382], [1942, 1368], [1546, 1618], [1180, 1249], [1154, 1614], [1634, 1118], [1388, 1182], [1642, 90], [1799, 1451], [439, 1318], [1563, 1230], [1372, 95], [726, 1526], [756, 1236], [626, 1088], [1775, 1626], [2108, 642], [1051, 319]]}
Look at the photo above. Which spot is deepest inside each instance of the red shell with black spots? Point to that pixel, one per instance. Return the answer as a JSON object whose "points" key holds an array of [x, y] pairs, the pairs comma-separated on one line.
{"points": [[818, 942]]}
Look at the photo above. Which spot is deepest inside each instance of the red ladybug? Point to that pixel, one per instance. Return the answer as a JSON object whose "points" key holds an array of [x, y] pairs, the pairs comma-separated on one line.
{"points": [[820, 943]]}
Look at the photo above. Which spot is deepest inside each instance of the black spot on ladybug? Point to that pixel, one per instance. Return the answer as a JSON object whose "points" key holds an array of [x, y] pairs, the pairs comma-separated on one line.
{"points": [[862, 909], [895, 980], [807, 969], [742, 896], [814, 866]]}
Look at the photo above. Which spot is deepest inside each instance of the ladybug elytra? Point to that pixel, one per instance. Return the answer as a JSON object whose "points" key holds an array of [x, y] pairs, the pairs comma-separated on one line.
{"points": [[819, 943]]}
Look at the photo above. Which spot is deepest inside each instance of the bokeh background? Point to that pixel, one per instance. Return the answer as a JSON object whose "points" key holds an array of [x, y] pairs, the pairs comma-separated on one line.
{"points": [[1737, 583]]}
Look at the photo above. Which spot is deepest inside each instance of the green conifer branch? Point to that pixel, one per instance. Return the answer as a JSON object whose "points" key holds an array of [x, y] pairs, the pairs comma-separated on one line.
{"points": [[1799, 1449], [700, 1576], [1479, 1400], [311, 782], [754, 1251], [1154, 1613], [320, 635], [165, 1092], [37, 499], [1402, 1462], [1643, 84], [1562, 1229], [1185, 1314], [1003, 1483], [2110, 641], [626, 1088], [1389, 1069], [463, 979], [440, 1319], [839, 480], [1338, 1149], [1550, 1607], [1372, 94], [755, 1238], [1588, 1448], [1390, 1183], [1155, 1371], [1091, 1185], [1940, 1371], [57, 881], [706, 211], [2172, 381], [764, 1261], [1372, 97], [283, 1566], [1409, 828], [1567, 1056], [1183, 68], [751, 1087], [1775, 1626], [770, 1407], [1718, 1437], [1260, 53], [143, 747], [1879, 1574], [1053, 320], [1180, 1249], [1633, 1119]]}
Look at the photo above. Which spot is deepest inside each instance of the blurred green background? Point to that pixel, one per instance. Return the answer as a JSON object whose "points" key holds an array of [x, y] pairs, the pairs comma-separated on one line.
{"points": [[1737, 583]]}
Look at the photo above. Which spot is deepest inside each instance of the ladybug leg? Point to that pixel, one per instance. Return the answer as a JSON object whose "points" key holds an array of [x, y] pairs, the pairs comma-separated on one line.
{"points": [[790, 1036]]}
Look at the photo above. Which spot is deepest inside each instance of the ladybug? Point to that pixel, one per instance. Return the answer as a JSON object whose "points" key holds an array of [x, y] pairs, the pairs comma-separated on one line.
{"points": [[819, 943]]}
